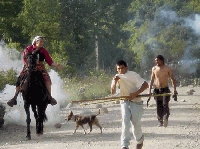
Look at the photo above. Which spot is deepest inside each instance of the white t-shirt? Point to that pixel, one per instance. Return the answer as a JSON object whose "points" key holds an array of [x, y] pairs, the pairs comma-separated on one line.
{"points": [[129, 83]]}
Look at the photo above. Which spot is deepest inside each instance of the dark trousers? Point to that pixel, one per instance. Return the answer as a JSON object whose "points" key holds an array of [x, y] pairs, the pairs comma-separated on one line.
{"points": [[162, 103]]}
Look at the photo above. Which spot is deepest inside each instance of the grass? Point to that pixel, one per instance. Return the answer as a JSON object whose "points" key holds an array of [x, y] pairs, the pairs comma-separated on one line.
{"points": [[88, 87]]}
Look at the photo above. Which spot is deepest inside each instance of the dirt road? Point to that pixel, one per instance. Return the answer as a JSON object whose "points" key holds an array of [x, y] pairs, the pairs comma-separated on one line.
{"points": [[183, 131]]}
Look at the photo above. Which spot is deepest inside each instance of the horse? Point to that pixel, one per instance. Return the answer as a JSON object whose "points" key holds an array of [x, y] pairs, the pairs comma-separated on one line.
{"points": [[34, 93]]}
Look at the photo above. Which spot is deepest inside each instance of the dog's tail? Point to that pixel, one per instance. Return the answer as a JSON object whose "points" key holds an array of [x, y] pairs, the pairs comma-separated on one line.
{"points": [[99, 112]]}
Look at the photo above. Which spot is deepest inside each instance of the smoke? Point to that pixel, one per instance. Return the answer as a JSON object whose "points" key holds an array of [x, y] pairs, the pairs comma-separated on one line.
{"points": [[10, 58], [188, 60], [194, 23], [167, 17], [164, 18]]}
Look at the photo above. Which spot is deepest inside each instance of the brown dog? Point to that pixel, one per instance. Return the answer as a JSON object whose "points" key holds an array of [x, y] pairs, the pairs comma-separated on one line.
{"points": [[83, 119]]}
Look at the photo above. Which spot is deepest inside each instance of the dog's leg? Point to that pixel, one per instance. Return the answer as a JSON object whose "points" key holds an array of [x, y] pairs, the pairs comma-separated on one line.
{"points": [[83, 129], [90, 124], [76, 129], [97, 124]]}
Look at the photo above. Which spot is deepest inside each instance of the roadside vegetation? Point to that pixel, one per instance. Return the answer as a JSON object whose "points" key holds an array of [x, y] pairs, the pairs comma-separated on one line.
{"points": [[88, 37]]}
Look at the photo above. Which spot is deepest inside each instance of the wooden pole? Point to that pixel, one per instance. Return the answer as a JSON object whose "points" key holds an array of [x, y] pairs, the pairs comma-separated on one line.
{"points": [[120, 97]]}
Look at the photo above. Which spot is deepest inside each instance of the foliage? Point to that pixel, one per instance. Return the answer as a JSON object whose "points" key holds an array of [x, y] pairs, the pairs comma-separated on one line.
{"points": [[40, 20], [71, 28], [7, 77], [10, 31], [156, 27], [88, 87], [81, 34], [2, 81], [93, 24], [10, 76]]}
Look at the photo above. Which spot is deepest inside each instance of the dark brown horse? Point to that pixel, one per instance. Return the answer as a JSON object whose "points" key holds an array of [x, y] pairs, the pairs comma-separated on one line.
{"points": [[35, 94]]}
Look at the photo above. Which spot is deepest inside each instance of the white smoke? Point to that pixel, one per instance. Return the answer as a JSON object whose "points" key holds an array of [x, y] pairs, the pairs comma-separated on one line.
{"points": [[194, 23], [187, 60], [166, 16], [10, 58]]}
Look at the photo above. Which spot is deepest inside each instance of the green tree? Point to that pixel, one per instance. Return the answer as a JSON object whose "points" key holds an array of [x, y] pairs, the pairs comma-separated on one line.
{"points": [[40, 18], [43, 18], [9, 31], [157, 27]]}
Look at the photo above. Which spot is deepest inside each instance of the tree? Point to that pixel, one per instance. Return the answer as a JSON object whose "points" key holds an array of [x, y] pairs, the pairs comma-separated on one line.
{"points": [[44, 19], [91, 22], [158, 26], [9, 30]]}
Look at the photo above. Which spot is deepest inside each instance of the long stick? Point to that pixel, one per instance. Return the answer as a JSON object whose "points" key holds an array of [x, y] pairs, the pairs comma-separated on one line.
{"points": [[121, 97]]}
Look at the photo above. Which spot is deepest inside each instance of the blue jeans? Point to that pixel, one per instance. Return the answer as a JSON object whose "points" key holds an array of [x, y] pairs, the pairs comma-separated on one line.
{"points": [[131, 117]]}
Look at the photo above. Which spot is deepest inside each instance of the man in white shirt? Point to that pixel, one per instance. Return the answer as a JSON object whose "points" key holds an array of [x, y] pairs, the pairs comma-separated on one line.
{"points": [[130, 84]]}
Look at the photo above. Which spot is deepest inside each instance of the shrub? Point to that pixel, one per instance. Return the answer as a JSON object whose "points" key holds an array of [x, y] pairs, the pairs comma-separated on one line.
{"points": [[88, 87]]}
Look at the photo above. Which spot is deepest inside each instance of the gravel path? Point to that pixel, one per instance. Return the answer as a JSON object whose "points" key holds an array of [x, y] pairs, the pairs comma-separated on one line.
{"points": [[183, 131]]}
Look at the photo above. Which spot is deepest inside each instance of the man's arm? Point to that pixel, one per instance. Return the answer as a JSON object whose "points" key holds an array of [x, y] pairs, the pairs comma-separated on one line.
{"points": [[173, 81], [114, 84], [151, 80], [140, 90]]}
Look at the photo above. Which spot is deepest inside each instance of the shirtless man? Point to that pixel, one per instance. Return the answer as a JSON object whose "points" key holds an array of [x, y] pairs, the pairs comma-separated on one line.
{"points": [[161, 73]]}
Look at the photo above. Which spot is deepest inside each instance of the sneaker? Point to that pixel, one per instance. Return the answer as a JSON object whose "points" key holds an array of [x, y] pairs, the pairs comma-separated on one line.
{"points": [[12, 102], [125, 148], [139, 146]]}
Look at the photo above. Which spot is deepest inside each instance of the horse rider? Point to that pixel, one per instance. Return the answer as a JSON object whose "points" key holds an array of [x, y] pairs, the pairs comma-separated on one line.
{"points": [[44, 56]]}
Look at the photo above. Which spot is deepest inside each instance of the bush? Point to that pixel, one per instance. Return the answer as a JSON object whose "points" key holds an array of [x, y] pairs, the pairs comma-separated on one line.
{"points": [[7, 77], [96, 85]]}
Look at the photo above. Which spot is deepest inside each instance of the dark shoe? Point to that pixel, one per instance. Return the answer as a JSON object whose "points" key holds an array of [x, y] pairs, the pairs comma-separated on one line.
{"points": [[53, 101], [139, 146], [124, 148], [12, 102]]}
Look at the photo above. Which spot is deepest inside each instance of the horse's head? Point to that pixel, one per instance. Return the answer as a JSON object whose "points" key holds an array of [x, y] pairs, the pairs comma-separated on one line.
{"points": [[31, 60]]}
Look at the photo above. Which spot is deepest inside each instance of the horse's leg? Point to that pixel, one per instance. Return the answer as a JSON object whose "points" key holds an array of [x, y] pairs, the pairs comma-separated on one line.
{"points": [[41, 123], [36, 115], [34, 111], [44, 116], [28, 120], [41, 118]]}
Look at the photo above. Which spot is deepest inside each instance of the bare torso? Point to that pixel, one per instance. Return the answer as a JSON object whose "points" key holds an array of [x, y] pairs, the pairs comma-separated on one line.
{"points": [[161, 75]]}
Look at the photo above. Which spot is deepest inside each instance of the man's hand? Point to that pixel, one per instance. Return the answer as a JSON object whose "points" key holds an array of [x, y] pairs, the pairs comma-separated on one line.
{"points": [[113, 85], [175, 95], [116, 78], [175, 92], [132, 96], [58, 67]]}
